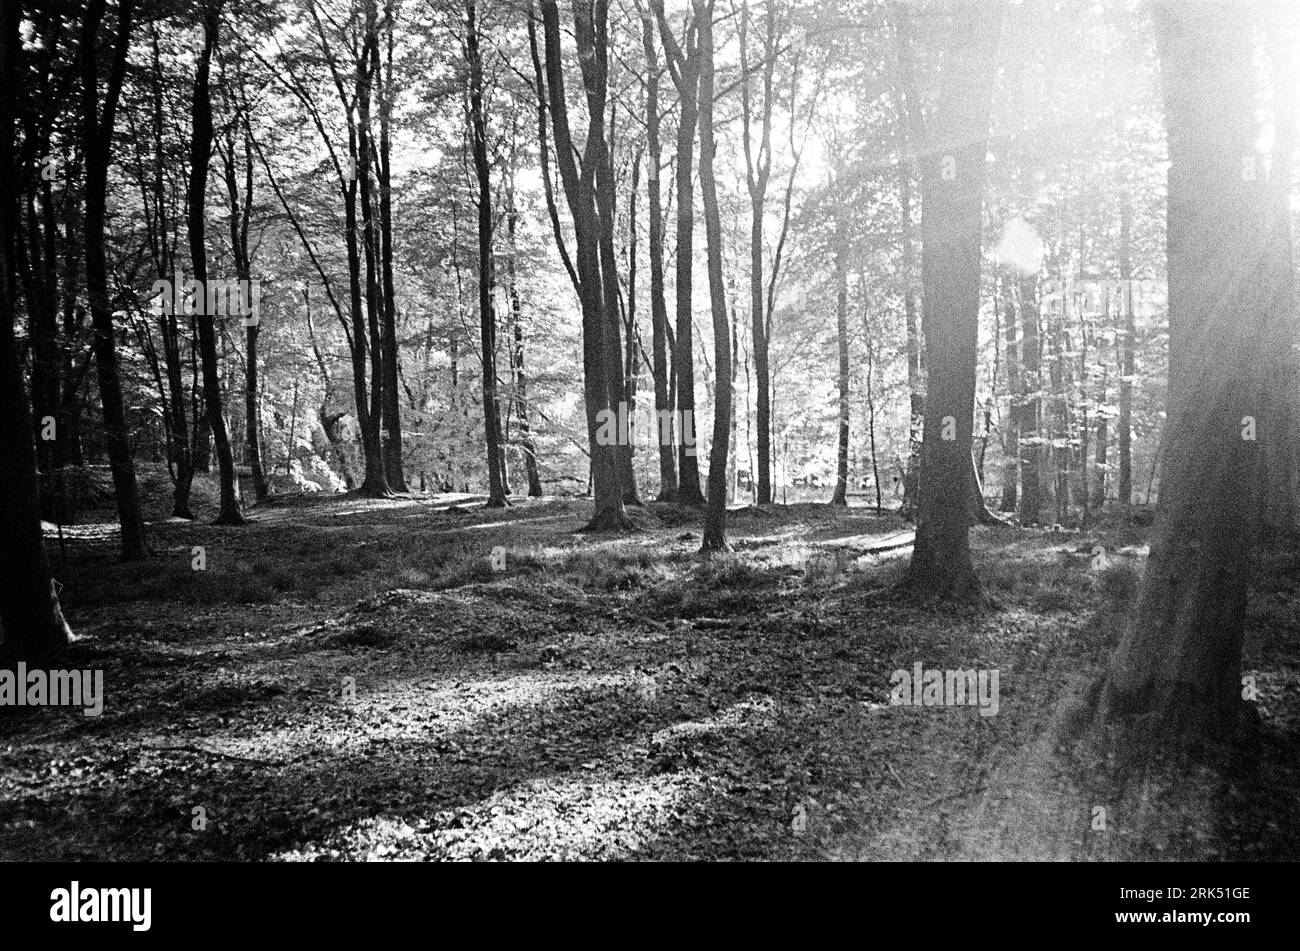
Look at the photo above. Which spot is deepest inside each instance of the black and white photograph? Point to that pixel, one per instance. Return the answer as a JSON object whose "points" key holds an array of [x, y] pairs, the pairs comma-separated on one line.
{"points": [[650, 431]]}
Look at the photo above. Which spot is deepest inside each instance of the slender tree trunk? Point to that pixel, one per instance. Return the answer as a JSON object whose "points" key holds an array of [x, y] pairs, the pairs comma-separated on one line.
{"points": [[665, 436], [1011, 471], [839, 496], [394, 468], [715, 521], [1031, 451], [526, 443], [1127, 342], [915, 365], [487, 314], [200, 154], [686, 75], [757, 172], [97, 132]]}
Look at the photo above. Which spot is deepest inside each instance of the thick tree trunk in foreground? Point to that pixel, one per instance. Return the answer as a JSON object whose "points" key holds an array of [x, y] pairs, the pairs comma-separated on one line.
{"points": [[1176, 676], [32, 621], [952, 180]]}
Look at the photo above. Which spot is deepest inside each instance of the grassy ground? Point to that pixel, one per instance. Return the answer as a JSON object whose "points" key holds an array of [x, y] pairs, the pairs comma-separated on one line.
{"points": [[607, 697]]}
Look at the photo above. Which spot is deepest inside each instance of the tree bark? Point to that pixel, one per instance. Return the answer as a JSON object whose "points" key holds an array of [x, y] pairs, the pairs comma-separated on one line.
{"points": [[97, 133], [579, 189], [1176, 675], [952, 181], [840, 496], [487, 312], [685, 67], [200, 155], [715, 521], [1011, 471], [394, 468], [33, 625], [665, 432], [1031, 450]]}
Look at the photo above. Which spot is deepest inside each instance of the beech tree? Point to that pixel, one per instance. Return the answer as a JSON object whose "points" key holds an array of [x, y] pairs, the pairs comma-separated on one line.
{"points": [[716, 518], [1177, 671], [952, 163], [31, 620], [98, 122]]}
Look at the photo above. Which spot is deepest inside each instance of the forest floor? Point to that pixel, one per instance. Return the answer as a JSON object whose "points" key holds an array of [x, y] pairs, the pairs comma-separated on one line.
{"points": [[608, 697]]}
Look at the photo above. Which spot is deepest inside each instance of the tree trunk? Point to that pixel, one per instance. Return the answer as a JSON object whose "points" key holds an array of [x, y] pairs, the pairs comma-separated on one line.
{"points": [[1011, 471], [200, 154], [757, 172], [579, 189], [952, 181], [394, 468], [839, 496], [97, 132], [1176, 675], [686, 75], [487, 313], [526, 443], [915, 368], [33, 625], [715, 521], [1031, 450], [665, 435]]}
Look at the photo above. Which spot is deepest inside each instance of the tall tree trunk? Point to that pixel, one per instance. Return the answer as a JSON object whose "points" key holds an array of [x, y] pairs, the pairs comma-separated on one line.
{"points": [[579, 189], [240, 210], [952, 181], [97, 133], [1127, 343], [392, 408], [200, 154], [33, 625], [915, 366], [526, 443], [665, 434], [757, 172], [1176, 675], [1031, 411], [840, 496], [715, 520], [1101, 457], [487, 313], [686, 74], [614, 355], [1011, 471]]}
